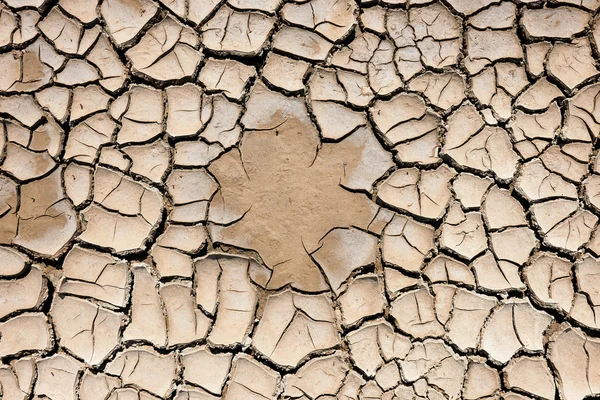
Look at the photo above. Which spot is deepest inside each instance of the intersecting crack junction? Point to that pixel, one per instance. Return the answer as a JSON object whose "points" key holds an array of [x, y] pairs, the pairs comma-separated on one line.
{"points": [[299, 199]]}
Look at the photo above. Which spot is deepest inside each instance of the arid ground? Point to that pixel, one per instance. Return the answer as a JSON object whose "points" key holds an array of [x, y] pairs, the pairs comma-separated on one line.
{"points": [[299, 199]]}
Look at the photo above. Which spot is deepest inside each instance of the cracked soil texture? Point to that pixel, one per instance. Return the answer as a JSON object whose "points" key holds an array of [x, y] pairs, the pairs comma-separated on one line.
{"points": [[299, 199]]}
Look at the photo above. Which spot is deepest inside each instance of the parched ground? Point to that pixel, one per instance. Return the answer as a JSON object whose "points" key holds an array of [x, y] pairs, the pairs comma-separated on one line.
{"points": [[310, 199]]}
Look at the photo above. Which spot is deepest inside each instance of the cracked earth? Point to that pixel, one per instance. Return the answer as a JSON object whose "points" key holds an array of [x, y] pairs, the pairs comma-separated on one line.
{"points": [[299, 199]]}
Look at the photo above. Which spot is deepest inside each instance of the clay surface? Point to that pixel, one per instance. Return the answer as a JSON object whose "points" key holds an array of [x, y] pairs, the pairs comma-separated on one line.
{"points": [[299, 199]]}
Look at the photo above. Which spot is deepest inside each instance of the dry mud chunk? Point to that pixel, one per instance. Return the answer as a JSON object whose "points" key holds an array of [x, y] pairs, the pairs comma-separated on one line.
{"points": [[224, 288], [89, 273], [190, 186], [433, 360], [113, 157], [275, 167], [445, 269], [166, 52], [85, 139], [470, 311], [123, 214], [89, 331], [147, 319], [335, 120], [56, 378], [368, 54], [513, 326], [269, 6], [564, 224], [463, 233], [9, 204], [196, 11], [397, 281], [592, 190], [535, 54], [406, 243], [503, 244], [343, 251], [319, 377], [374, 344], [227, 76], [24, 164], [343, 86], [302, 43], [559, 22], [195, 362], [362, 299], [47, 221], [571, 63], [481, 380], [22, 294], [187, 392], [531, 375], [502, 210], [285, 73], [469, 7], [25, 332], [149, 160], [24, 71], [185, 112], [373, 19], [403, 118], [414, 314], [87, 100], [63, 32], [77, 72], [131, 394], [294, 325], [195, 153], [56, 100], [235, 32], [333, 19], [83, 10], [140, 111], [498, 85], [22, 107], [581, 116], [78, 183], [496, 274], [251, 380], [498, 16], [173, 249], [587, 299], [422, 193], [146, 369], [470, 189], [569, 160], [13, 261], [186, 323], [443, 90], [434, 28], [97, 386], [11, 385], [31, 154], [222, 122], [406, 123], [576, 358], [533, 132], [549, 278], [538, 96], [125, 19], [113, 73], [487, 149], [487, 46]]}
